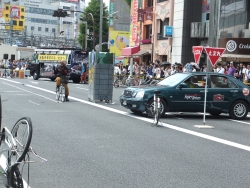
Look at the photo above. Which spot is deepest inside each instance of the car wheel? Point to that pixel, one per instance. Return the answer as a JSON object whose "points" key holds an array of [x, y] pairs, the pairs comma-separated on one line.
{"points": [[238, 110], [137, 112], [52, 79], [150, 108], [35, 76], [215, 113]]}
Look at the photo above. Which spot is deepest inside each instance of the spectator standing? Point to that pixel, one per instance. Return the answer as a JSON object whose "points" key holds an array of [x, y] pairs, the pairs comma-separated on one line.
{"points": [[220, 69], [231, 69], [226, 69], [236, 74], [242, 71], [84, 72], [247, 74], [193, 68]]}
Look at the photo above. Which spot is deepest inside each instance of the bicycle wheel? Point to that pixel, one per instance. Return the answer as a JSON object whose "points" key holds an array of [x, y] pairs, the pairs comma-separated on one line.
{"points": [[62, 93], [15, 180], [57, 93], [0, 113], [22, 134]]}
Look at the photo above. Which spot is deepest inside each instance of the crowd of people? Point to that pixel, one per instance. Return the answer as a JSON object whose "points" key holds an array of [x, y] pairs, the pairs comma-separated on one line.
{"points": [[14, 65], [163, 70]]}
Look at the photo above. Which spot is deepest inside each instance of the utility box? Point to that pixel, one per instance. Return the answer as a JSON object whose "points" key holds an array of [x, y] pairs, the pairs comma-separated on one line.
{"points": [[101, 76]]}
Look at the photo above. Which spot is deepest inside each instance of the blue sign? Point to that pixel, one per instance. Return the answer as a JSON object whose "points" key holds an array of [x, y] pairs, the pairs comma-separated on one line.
{"points": [[168, 31]]}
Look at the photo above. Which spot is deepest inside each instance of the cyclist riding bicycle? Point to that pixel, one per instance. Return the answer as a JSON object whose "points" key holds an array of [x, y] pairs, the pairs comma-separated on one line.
{"points": [[61, 72]]}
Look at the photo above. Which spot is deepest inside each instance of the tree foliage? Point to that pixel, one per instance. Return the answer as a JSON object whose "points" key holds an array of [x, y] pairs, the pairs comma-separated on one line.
{"points": [[94, 8]]}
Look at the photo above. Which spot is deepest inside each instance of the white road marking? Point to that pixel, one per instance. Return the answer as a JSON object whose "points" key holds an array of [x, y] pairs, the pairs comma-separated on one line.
{"points": [[33, 82], [201, 135], [33, 102], [31, 92], [11, 81], [82, 88]]}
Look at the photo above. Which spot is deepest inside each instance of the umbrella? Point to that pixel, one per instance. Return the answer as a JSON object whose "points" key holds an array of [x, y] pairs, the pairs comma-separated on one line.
{"points": [[165, 63]]}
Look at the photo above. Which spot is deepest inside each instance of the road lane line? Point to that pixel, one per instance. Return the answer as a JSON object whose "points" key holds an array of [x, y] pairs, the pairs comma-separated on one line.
{"points": [[33, 102], [11, 81], [82, 88], [31, 92], [201, 135]]}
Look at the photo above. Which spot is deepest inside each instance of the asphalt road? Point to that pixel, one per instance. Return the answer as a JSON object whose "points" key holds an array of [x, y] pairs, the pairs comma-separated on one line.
{"points": [[104, 145]]}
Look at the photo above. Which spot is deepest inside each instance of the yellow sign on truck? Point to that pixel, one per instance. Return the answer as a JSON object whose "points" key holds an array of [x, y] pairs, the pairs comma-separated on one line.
{"points": [[52, 57]]}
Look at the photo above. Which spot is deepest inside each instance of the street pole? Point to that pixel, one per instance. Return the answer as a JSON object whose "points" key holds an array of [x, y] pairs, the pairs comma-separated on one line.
{"points": [[86, 36], [11, 28], [100, 30]]}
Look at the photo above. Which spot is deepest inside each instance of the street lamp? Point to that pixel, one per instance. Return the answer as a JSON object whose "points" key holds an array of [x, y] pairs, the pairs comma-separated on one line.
{"points": [[93, 23]]}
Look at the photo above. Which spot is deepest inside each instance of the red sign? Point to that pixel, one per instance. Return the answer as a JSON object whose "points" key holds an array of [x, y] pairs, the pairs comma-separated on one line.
{"points": [[134, 19], [214, 54], [197, 50], [15, 12]]}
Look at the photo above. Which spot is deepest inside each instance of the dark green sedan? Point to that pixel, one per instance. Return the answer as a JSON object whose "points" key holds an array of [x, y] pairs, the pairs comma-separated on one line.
{"points": [[185, 92]]}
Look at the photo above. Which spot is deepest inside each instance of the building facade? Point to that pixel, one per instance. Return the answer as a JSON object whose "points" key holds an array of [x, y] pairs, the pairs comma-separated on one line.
{"points": [[41, 28]]}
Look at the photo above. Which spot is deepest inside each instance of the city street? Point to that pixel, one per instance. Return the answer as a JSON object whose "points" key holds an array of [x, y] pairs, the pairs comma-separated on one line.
{"points": [[97, 145]]}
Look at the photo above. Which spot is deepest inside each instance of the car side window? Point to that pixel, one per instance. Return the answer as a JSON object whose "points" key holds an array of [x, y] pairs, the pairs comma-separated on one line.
{"points": [[222, 82], [197, 81]]}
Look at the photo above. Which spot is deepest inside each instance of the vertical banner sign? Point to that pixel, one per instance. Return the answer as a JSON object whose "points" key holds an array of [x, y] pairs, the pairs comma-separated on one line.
{"points": [[214, 54], [134, 20], [197, 50]]}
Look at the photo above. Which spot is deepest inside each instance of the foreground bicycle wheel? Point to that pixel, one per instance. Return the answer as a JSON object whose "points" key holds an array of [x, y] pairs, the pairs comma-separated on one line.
{"points": [[22, 134]]}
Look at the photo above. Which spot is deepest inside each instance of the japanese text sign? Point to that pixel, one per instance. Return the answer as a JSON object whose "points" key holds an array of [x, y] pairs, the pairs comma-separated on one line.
{"points": [[214, 54], [197, 50]]}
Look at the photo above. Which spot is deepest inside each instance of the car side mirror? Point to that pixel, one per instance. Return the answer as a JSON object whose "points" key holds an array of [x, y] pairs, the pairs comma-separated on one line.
{"points": [[183, 85]]}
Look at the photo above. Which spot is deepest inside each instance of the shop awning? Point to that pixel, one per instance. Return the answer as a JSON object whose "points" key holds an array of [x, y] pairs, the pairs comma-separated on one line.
{"points": [[142, 52], [129, 51]]}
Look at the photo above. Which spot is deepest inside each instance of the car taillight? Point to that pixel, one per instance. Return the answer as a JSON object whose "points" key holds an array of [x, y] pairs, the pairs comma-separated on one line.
{"points": [[245, 91]]}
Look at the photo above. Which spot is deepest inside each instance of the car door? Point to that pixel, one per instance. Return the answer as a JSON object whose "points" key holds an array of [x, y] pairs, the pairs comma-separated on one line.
{"points": [[190, 94], [221, 93]]}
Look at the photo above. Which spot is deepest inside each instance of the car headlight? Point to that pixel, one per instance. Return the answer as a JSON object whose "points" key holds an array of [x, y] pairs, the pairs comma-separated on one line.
{"points": [[139, 95]]}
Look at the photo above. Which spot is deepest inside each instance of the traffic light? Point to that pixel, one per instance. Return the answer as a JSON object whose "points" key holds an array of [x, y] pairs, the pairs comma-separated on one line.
{"points": [[60, 13]]}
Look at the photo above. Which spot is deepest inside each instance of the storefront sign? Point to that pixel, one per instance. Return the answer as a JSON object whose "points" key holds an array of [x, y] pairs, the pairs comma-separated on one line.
{"points": [[149, 13], [134, 20], [162, 9], [140, 15], [235, 45]]}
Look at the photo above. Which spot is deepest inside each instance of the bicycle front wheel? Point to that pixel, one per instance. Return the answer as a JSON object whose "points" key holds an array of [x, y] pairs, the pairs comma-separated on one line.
{"points": [[15, 180], [62, 93], [22, 134]]}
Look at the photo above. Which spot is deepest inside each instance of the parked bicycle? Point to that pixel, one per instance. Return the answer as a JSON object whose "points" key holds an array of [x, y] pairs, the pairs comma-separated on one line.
{"points": [[15, 150], [60, 92]]}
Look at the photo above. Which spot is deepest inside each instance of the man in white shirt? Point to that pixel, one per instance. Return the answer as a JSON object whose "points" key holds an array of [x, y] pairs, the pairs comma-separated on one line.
{"points": [[247, 74], [220, 69]]}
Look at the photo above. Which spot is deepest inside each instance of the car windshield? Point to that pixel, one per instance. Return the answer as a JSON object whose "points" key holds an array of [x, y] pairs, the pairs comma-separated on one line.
{"points": [[173, 79]]}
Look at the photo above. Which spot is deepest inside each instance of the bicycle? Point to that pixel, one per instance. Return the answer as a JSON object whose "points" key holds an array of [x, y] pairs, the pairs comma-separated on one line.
{"points": [[15, 149], [60, 91], [132, 81], [120, 80], [155, 109]]}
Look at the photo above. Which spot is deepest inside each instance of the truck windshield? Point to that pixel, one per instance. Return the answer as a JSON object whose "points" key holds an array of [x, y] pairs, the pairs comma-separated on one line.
{"points": [[173, 79]]}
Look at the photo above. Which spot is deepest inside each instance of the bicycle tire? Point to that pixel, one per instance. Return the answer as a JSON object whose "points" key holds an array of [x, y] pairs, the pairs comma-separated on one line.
{"points": [[57, 93], [62, 93], [22, 126], [0, 113], [17, 179]]}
